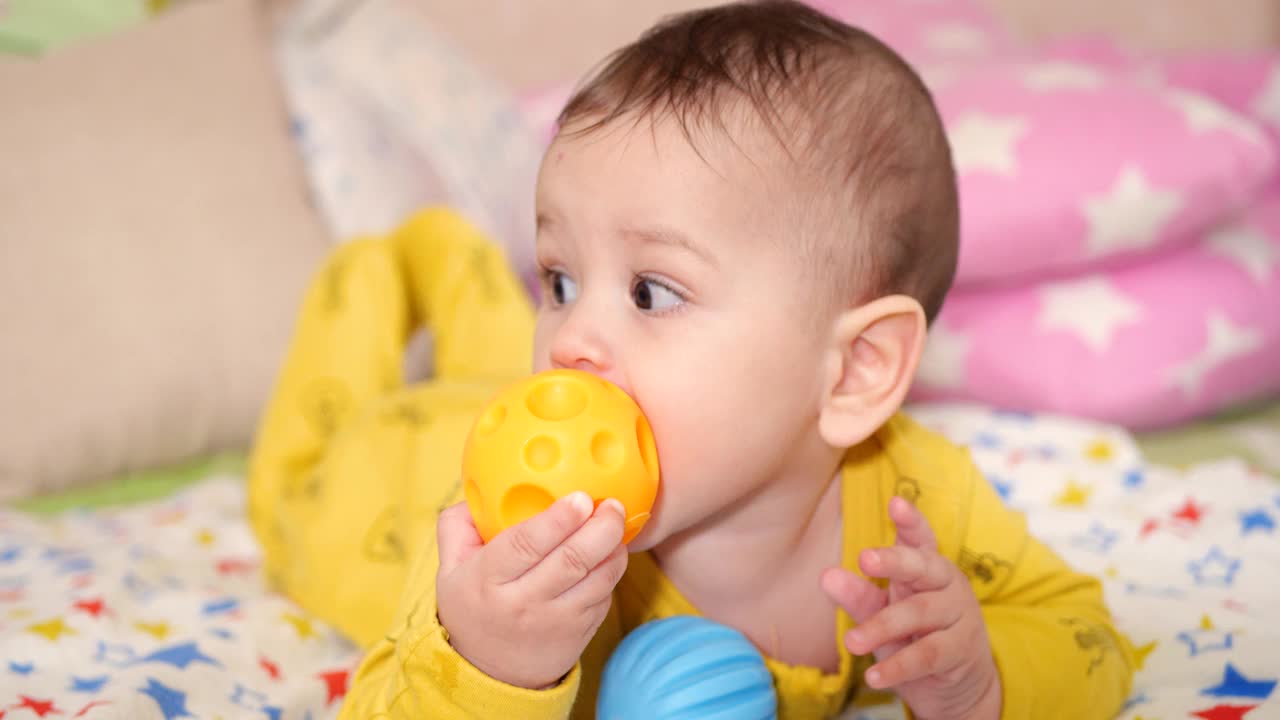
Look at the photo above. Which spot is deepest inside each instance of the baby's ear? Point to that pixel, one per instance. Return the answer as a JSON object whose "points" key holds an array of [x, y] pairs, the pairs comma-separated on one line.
{"points": [[871, 360]]}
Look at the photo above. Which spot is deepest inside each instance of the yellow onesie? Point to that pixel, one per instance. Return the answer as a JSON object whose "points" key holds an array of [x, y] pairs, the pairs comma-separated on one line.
{"points": [[352, 467]]}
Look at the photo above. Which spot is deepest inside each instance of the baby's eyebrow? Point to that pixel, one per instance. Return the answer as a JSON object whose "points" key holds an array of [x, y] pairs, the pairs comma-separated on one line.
{"points": [[662, 235]]}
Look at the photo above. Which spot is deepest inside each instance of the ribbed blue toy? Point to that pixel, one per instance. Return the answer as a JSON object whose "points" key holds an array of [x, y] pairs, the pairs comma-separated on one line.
{"points": [[686, 668]]}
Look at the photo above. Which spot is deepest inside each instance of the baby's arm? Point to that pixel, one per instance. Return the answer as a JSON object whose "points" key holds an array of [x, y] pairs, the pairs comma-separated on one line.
{"points": [[940, 638], [1058, 652]]}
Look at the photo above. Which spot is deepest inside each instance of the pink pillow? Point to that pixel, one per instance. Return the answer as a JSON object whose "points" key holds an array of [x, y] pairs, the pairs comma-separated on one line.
{"points": [[1189, 333], [1247, 81], [1065, 166]]}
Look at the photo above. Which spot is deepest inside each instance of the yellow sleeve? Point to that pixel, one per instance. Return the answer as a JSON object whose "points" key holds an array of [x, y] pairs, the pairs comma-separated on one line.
{"points": [[1057, 651]]}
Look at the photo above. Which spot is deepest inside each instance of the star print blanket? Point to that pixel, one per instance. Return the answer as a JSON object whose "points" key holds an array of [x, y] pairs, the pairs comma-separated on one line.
{"points": [[157, 610]]}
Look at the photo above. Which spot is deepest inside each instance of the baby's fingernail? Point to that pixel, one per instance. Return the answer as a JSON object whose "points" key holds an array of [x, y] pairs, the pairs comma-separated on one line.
{"points": [[580, 502], [873, 678], [617, 507], [855, 638]]}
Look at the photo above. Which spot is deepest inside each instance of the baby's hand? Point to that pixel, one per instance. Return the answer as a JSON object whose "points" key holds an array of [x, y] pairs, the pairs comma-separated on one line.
{"points": [[927, 631], [523, 608]]}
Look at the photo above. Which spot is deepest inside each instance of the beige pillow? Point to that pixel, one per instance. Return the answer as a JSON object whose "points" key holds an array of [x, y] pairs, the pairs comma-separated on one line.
{"points": [[530, 43], [155, 237]]}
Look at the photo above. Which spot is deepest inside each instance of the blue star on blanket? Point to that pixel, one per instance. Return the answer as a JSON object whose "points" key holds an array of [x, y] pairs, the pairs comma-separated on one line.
{"points": [[1003, 487], [179, 656], [1215, 568], [1205, 640], [1236, 685], [1098, 538], [115, 654], [1256, 519], [173, 703], [87, 685], [220, 606]]}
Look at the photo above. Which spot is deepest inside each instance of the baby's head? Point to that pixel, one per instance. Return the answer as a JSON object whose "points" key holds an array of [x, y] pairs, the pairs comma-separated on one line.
{"points": [[746, 220]]}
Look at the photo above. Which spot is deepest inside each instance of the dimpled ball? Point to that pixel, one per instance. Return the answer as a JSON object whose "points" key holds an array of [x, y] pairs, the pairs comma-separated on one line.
{"points": [[554, 433], [680, 668]]}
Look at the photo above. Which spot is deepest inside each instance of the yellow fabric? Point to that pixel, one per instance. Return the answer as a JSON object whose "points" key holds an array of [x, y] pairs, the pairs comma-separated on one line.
{"points": [[352, 468]]}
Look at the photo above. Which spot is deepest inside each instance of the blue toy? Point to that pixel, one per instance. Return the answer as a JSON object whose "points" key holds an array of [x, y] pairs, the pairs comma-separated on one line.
{"points": [[686, 668]]}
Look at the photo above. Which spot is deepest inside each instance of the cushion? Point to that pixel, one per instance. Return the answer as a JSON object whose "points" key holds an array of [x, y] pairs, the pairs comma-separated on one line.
{"points": [[1186, 334], [392, 118], [156, 235], [1064, 167]]}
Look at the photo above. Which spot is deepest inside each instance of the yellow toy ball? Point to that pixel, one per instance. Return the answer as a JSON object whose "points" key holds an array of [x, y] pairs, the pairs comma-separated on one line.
{"points": [[554, 433]]}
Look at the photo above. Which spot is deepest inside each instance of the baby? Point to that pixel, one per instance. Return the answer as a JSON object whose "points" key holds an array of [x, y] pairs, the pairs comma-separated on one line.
{"points": [[747, 220]]}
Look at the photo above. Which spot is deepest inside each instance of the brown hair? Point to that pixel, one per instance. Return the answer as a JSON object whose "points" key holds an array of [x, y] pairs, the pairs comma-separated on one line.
{"points": [[852, 116]]}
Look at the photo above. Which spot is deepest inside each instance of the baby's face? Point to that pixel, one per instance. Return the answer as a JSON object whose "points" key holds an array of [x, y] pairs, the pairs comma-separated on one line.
{"points": [[676, 278]]}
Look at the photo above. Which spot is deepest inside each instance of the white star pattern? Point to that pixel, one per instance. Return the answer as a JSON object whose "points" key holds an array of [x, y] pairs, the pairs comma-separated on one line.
{"points": [[1204, 115], [1267, 104], [1129, 214], [956, 38], [1091, 308], [982, 142], [945, 357], [1226, 342], [1061, 75], [1248, 247]]}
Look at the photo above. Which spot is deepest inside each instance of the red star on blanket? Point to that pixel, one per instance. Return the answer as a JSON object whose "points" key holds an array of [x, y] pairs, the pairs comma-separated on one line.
{"points": [[235, 566], [1225, 712], [39, 707], [336, 680], [272, 669], [1190, 513], [1148, 526], [85, 710], [94, 607]]}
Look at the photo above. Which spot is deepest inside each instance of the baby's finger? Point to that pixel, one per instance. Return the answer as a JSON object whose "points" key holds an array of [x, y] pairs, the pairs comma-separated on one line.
{"points": [[913, 529], [456, 537], [919, 570], [859, 597], [599, 583], [577, 556], [932, 654], [519, 549], [917, 615]]}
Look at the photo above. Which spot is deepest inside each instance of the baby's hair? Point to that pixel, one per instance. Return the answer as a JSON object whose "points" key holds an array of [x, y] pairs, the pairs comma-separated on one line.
{"points": [[853, 118]]}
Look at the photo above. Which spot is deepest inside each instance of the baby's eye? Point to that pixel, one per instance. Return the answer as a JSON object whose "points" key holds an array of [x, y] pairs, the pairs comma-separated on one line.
{"points": [[651, 295], [563, 289]]}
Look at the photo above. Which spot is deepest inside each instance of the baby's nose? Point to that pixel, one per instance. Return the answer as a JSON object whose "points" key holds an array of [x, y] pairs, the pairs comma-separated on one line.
{"points": [[577, 345]]}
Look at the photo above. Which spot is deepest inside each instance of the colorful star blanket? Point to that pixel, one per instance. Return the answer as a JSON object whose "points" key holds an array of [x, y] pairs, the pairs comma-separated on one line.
{"points": [[157, 610]]}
